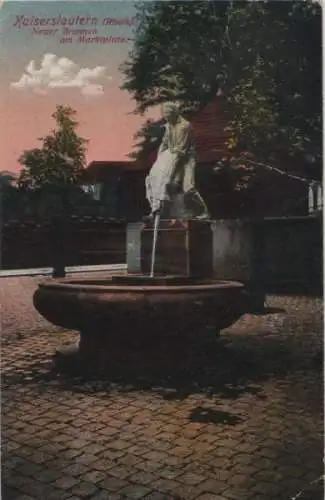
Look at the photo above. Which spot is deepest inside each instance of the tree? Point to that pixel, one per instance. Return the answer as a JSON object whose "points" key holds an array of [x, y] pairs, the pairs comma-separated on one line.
{"points": [[7, 179], [148, 139], [275, 100], [60, 161], [8, 194], [169, 37], [50, 175], [265, 58]]}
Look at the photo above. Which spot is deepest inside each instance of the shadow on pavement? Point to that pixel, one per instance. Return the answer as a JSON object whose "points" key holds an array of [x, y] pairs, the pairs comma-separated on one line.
{"points": [[201, 414], [268, 310], [227, 368]]}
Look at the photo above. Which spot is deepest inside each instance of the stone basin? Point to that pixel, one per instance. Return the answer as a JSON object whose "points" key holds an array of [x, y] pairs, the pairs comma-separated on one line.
{"points": [[134, 310]]}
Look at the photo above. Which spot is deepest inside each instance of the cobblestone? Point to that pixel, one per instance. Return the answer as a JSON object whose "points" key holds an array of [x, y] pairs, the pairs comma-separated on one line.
{"points": [[237, 418]]}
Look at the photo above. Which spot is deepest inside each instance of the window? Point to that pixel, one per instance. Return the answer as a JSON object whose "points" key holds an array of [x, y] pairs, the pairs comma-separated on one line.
{"points": [[94, 190], [315, 197]]}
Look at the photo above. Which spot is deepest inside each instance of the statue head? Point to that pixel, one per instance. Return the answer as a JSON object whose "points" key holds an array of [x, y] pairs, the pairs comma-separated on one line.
{"points": [[170, 111]]}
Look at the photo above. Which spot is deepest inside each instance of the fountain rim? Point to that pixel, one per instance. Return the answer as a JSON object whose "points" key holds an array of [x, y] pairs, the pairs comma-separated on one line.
{"points": [[83, 286]]}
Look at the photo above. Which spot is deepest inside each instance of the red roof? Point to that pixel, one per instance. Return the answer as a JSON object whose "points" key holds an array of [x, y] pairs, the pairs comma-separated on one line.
{"points": [[210, 136]]}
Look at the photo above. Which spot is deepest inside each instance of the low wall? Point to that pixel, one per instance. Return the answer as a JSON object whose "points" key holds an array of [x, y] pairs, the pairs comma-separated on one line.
{"points": [[293, 253], [232, 247], [273, 254], [80, 241]]}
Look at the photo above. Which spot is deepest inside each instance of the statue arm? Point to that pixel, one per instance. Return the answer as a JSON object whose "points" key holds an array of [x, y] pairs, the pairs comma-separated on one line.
{"points": [[183, 146], [183, 142]]}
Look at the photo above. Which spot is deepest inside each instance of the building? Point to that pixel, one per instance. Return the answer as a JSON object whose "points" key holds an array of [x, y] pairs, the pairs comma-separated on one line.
{"points": [[118, 185]]}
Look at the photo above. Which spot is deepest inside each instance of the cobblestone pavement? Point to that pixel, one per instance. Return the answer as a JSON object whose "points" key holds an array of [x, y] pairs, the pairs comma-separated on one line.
{"points": [[238, 418]]}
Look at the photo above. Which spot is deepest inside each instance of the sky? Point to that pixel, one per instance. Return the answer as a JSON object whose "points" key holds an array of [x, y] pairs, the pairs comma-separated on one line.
{"points": [[46, 59]]}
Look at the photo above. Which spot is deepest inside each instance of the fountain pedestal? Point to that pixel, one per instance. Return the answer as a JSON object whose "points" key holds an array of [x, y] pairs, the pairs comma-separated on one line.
{"points": [[184, 247]]}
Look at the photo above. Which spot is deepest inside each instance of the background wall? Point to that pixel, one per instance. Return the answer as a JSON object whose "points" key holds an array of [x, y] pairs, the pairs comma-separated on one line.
{"points": [[274, 253]]}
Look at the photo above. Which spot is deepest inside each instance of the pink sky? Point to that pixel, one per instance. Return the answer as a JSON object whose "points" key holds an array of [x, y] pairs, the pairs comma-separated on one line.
{"points": [[30, 91]]}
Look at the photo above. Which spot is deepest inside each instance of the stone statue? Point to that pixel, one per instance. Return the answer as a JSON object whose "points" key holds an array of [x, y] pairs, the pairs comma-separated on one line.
{"points": [[170, 185]]}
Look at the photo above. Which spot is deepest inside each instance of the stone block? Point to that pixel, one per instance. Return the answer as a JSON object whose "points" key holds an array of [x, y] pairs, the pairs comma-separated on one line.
{"points": [[184, 247]]}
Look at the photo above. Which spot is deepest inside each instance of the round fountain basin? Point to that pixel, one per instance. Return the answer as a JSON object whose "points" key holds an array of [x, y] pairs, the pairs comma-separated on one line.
{"points": [[133, 303], [137, 310]]}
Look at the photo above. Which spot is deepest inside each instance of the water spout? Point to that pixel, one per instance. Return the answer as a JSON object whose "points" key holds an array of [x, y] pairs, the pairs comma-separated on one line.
{"points": [[154, 244]]}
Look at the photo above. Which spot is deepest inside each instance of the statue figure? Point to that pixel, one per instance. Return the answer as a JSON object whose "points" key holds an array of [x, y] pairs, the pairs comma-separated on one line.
{"points": [[170, 185]]}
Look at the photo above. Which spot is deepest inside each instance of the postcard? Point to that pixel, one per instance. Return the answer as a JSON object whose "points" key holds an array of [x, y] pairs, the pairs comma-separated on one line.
{"points": [[161, 243]]}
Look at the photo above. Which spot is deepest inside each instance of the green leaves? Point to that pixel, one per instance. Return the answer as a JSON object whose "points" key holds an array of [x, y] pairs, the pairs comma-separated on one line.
{"points": [[61, 158], [170, 36]]}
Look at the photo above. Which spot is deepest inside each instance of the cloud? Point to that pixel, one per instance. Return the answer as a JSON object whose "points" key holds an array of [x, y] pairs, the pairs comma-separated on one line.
{"points": [[60, 72]]}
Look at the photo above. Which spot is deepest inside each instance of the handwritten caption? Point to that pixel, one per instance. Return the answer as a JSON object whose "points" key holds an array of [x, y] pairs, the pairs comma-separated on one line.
{"points": [[79, 29]]}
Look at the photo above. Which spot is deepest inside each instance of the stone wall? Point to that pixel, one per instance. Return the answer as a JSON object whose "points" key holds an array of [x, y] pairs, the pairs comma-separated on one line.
{"points": [[274, 253], [269, 254], [232, 248], [76, 241]]}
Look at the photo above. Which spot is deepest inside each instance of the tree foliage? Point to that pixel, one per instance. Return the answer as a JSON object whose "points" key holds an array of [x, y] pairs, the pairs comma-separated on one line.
{"points": [[60, 160], [174, 57], [8, 193], [7, 179], [148, 139], [265, 58]]}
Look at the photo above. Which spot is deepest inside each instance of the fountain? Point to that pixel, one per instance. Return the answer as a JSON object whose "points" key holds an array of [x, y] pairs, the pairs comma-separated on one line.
{"points": [[140, 307], [169, 292]]}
